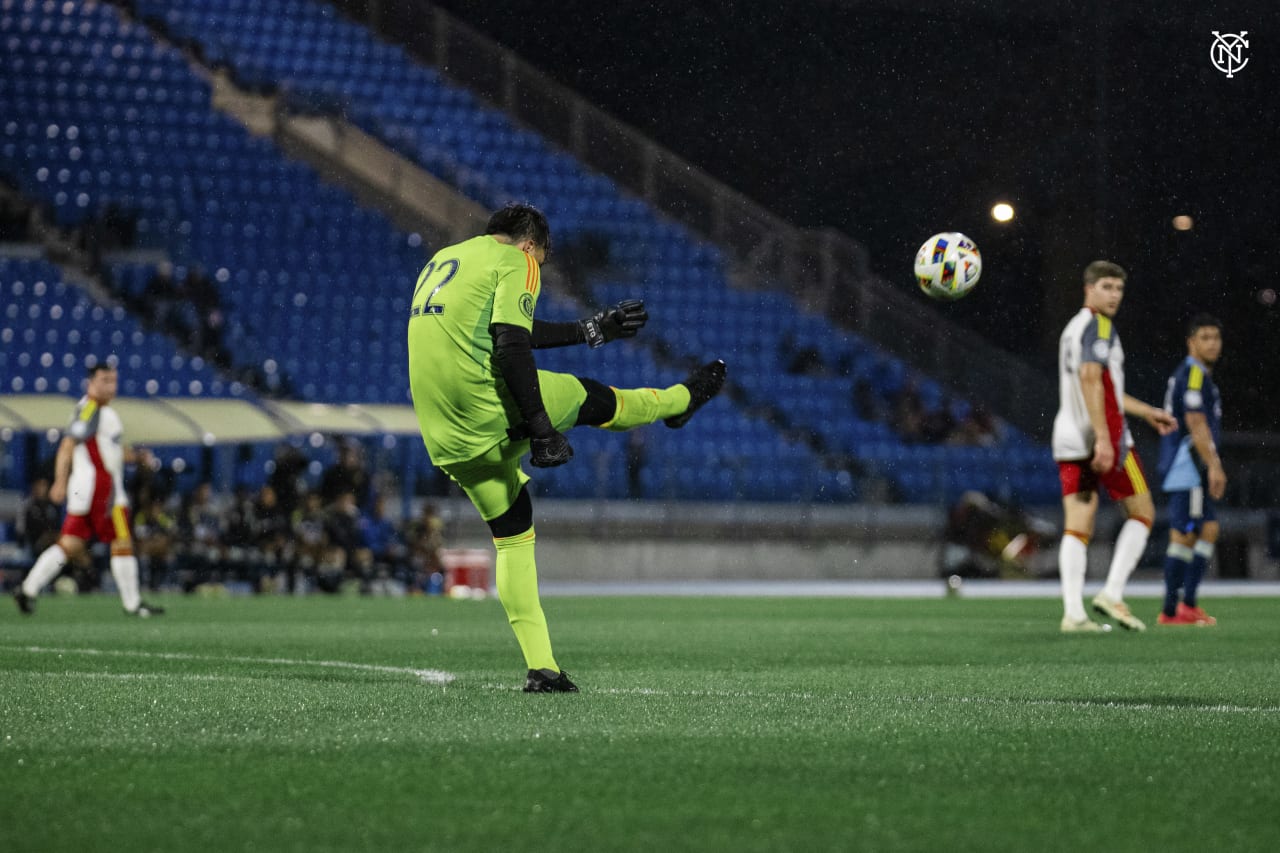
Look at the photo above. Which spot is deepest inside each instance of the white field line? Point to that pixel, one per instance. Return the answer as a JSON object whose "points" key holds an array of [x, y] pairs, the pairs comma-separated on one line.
{"points": [[133, 676], [933, 588], [1118, 705], [435, 676], [428, 676]]}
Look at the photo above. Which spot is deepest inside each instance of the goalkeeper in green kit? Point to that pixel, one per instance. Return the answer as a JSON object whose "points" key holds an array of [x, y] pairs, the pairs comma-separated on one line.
{"points": [[482, 403]]}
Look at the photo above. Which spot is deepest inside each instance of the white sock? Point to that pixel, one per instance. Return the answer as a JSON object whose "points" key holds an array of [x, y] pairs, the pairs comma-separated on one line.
{"points": [[1073, 558], [48, 566], [125, 571], [1130, 544]]}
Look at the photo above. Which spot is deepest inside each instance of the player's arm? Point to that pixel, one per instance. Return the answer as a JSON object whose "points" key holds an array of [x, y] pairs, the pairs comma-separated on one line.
{"points": [[1104, 455], [623, 320], [1160, 420], [513, 356], [83, 425], [1202, 441], [62, 469]]}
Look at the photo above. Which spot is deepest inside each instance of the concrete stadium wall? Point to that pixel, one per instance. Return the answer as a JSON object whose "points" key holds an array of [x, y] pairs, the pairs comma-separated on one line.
{"points": [[630, 541]]}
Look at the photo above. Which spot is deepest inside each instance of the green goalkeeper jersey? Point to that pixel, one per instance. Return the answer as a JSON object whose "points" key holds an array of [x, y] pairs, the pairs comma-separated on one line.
{"points": [[461, 401]]}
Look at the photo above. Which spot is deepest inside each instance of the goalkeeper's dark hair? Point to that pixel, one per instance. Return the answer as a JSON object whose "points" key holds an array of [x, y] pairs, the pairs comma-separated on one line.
{"points": [[521, 221], [1103, 269], [1201, 321], [98, 367]]}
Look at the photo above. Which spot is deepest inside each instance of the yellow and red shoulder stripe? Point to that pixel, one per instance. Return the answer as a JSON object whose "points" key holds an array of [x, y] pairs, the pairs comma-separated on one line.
{"points": [[1195, 379], [533, 276]]}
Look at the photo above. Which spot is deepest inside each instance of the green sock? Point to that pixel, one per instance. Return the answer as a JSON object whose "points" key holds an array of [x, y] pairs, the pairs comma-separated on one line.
{"points": [[517, 577], [640, 406]]}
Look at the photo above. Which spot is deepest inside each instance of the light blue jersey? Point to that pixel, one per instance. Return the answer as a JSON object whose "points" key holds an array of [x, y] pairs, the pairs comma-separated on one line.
{"points": [[1191, 389]]}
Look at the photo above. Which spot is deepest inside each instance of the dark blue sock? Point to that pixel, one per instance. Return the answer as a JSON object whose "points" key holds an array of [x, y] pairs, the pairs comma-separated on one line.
{"points": [[1175, 569], [1194, 573]]}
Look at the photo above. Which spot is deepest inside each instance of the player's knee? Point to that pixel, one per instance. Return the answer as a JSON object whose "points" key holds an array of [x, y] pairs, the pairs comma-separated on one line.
{"points": [[515, 520], [1140, 508], [1209, 532], [72, 546], [601, 404], [1080, 515]]}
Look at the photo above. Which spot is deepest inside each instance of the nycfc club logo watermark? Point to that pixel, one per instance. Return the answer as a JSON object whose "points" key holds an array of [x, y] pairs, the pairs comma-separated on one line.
{"points": [[1227, 52]]}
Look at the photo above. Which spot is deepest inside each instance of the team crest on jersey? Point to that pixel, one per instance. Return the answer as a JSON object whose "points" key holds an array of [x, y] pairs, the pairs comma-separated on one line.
{"points": [[526, 305], [1101, 348]]}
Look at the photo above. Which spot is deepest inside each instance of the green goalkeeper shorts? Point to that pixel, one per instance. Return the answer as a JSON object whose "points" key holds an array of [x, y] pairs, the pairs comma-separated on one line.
{"points": [[493, 479]]}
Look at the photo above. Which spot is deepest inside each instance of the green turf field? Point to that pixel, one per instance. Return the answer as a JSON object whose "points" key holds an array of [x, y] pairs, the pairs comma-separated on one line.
{"points": [[704, 724]]}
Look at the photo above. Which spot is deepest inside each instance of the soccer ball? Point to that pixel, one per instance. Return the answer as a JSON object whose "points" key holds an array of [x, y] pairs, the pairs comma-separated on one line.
{"points": [[948, 265]]}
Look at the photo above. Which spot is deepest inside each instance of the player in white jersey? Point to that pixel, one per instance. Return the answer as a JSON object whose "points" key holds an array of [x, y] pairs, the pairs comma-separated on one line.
{"points": [[1094, 450], [89, 475]]}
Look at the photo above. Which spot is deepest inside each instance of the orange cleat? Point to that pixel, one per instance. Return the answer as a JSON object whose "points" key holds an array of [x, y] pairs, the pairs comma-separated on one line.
{"points": [[1196, 613], [1180, 617]]}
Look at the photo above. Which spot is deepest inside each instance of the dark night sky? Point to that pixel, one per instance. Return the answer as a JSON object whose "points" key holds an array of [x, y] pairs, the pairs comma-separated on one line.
{"points": [[893, 119]]}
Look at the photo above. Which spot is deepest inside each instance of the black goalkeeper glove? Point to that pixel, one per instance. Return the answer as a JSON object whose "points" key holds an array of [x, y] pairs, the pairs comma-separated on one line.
{"points": [[547, 447], [550, 451], [621, 321]]}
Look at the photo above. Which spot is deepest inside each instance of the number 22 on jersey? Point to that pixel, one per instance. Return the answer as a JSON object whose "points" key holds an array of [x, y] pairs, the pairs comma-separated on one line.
{"points": [[443, 274]]}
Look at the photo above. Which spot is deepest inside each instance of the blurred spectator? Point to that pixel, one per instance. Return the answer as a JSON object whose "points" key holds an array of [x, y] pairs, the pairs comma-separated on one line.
{"points": [[155, 532], [271, 521], [150, 481], [314, 553], [41, 518], [239, 527], [203, 296], [382, 540], [285, 477], [800, 360], [15, 219], [115, 229], [908, 413], [978, 428], [200, 291], [984, 538], [160, 302], [424, 537], [272, 539], [351, 555], [348, 474], [200, 525], [201, 519], [240, 555], [936, 425]]}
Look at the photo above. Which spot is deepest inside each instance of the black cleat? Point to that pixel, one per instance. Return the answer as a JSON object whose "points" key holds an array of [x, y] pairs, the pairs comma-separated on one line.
{"points": [[703, 384], [545, 681], [25, 603], [145, 611]]}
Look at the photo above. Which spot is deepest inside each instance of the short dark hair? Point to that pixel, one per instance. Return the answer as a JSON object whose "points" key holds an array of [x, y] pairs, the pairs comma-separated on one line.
{"points": [[97, 367], [1200, 321], [1103, 269], [521, 221]]}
